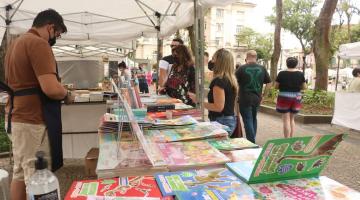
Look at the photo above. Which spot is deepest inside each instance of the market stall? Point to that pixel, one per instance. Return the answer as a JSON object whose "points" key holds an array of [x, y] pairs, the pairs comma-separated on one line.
{"points": [[346, 104]]}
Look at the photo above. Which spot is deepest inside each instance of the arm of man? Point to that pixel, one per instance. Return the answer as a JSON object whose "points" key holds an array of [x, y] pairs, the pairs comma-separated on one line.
{"points": [[163, 72], [51, 87], [219, 100], [267, 81]]}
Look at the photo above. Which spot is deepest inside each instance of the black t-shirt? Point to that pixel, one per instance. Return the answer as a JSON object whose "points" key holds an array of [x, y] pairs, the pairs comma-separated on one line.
{"points": [[251, 78], [290, 81], [225, 84]]}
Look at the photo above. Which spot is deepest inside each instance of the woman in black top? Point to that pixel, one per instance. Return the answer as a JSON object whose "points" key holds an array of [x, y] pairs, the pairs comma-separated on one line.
{"points": [[181, 79], [290, 82], [223, 90]]}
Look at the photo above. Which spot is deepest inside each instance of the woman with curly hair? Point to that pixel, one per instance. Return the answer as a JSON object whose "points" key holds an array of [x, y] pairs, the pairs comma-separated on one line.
{"points": [[181, 79]]}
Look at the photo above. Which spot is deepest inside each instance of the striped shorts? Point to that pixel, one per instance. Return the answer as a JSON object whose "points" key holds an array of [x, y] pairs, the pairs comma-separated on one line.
{"points": [[288, 102]]}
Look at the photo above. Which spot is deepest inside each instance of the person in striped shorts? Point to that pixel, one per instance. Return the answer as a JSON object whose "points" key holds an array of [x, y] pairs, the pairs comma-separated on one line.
{"points": [[290, 82]]}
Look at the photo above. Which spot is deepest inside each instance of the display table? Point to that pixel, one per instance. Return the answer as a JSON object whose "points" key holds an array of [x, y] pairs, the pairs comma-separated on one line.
{"points": [[80, 123]]}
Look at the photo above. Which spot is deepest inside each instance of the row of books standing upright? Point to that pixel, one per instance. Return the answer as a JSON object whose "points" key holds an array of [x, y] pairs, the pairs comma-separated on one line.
{"points": [[183, 158]]}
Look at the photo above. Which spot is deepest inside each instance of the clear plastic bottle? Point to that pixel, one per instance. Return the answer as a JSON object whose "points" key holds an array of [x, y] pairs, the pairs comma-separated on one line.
{"points": [[43, 184]]}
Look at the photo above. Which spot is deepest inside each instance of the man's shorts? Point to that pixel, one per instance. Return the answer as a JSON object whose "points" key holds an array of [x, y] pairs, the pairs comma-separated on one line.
{"points": [[26, 140], [288, 102]]}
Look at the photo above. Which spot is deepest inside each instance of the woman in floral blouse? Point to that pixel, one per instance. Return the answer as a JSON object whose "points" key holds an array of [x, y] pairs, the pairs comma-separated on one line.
{"points": [[181, 79]]}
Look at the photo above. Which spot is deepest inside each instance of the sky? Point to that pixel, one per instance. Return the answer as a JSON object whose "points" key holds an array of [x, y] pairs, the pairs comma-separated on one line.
{"points": [[264, 8]]}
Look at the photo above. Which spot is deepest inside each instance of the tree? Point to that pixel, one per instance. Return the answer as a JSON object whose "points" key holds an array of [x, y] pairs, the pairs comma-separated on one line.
{"points": [[264, 47], [322, 46], [247, 36], [261, 43], [348, 9], [277, 40], [299, 20], [355, 33]]}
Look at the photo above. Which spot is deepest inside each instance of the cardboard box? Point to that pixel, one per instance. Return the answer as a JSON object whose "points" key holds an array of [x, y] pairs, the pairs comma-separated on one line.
{"points": [[91, 162]]}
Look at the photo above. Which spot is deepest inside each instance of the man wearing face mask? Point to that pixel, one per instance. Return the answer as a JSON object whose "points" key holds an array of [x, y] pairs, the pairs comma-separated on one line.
{"points": [[35, 95], [167, 61]]}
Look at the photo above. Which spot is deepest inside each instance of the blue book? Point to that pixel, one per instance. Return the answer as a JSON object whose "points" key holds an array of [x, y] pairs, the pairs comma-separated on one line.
{"points": [[219, 183]]}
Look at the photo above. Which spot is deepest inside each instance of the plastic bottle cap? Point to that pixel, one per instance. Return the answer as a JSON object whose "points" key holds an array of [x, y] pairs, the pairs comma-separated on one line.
{"points": [[41, 162]]}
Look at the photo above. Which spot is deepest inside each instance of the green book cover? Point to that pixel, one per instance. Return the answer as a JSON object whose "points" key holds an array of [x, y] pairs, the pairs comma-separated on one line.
{"points": [[289, 158], [232, 144]]}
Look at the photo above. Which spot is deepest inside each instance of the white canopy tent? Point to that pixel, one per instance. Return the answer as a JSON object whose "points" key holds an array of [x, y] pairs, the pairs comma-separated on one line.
{"points": [[346, 103], [348, 51], [110, 21]]}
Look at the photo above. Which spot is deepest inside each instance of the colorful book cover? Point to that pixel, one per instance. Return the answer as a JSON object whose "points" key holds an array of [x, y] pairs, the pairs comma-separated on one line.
{"points": [[175, 113], [121, 188], [306, 188], [289, 158], [201, 130], [243, 155], [190, 154], [219, 183], [181, 121], [115, 156], [232, 144]]}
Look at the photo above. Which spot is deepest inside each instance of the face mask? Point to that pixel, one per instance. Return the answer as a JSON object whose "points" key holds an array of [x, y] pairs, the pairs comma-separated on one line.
{"points": [[211, 65], [52, 41]]}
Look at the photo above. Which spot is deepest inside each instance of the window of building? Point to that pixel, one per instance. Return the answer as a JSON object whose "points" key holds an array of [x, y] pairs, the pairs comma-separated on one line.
{"points": [[218, 40], [240, 13], [219, 12], [238, 28], [219, 27]]}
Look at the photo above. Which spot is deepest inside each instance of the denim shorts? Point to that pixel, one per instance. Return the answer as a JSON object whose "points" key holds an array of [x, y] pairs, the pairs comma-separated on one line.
{"points": [[229, 121]]}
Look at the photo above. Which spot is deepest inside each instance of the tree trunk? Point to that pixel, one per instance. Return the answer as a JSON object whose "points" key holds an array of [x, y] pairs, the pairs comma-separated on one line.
{"points": [[322, 50], [2, 57], [190, 29], [277, 43]]}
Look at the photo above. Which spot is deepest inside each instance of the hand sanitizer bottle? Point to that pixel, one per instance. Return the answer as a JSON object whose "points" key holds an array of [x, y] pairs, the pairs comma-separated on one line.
{"points": [[43, 184]]}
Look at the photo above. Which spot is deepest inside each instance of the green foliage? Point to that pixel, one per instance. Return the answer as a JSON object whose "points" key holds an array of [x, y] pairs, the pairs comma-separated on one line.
{"points": [[319, 97], [262, 43], [338, 36], [247, 36], [4, 140], [299, 18], [355, 33]]}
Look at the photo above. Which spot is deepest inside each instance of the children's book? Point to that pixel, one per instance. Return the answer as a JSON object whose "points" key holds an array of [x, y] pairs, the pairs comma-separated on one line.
{"points": [[175, 113], [218, 183], [184, 155], [306, 188], [201, 130], [243, 155], [181, 121], [232, 144], [288, 158], [137, 187]]}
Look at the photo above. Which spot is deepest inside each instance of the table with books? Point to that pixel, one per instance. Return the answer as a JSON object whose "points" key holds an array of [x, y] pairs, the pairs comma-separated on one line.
{"points": [[182, 158]]}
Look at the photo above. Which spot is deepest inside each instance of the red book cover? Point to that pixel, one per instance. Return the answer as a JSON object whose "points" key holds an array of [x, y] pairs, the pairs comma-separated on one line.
{"points": [[135, 187]]}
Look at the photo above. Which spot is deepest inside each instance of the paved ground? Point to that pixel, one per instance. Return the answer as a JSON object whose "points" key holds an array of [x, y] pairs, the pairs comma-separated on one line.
{"points": [[344, 166]]}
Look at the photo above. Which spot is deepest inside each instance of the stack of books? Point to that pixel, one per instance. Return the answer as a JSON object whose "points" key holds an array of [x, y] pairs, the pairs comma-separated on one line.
{"points": [[191, 155]]}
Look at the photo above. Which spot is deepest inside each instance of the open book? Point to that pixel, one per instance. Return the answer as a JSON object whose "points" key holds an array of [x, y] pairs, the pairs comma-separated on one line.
{"points": [[288, 158]]}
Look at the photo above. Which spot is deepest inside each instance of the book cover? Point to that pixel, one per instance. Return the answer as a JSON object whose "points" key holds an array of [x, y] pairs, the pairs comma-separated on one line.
{"points": [[217, 183], [232, 144], [306, 188], [181, 121], [243, 155], [290, 158], [202, 130], [116, 188], [190, 154]]}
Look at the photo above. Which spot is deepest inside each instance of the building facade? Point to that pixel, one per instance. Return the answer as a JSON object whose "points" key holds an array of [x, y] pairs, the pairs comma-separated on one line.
{"points": [[221, 24]]}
